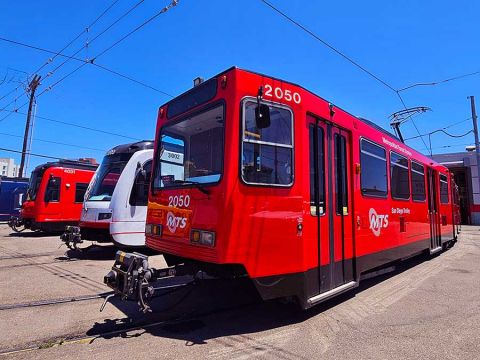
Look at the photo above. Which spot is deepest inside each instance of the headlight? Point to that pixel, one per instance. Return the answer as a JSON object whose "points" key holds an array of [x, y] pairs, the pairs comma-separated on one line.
{"points": [[104, 216], [202, 237], [153, 229]]}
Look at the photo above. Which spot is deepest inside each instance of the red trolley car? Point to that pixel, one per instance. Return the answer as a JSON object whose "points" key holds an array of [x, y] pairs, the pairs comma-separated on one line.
{"points": [[55, 196], [270, 181]]}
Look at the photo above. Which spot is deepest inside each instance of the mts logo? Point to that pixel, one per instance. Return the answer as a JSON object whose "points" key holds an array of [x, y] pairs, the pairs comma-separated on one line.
{"points": [[377, 221], [175, 222]]}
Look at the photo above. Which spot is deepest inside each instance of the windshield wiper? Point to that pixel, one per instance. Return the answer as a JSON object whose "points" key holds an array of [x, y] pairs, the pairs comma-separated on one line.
{"points": [[197, 184]]}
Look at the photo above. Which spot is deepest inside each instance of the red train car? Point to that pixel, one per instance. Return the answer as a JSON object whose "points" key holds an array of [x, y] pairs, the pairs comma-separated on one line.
{"points": [[275, 183], [55, 195]]}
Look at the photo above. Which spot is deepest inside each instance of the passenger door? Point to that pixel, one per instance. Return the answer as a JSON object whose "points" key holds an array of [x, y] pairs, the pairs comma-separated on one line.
{"points": [[331, 204], [433, 210]]}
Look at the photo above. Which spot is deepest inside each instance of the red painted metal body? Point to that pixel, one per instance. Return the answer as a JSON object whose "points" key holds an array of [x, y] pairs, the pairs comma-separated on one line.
{"points": [[270, 231], [40, 213]]}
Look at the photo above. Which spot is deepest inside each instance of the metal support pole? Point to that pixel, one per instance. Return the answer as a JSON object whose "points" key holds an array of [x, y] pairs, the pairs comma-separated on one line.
{"points": [[475, 131], [32, 87]]}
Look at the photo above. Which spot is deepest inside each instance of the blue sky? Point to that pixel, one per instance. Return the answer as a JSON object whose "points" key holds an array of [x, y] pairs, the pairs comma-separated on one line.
{"points": [[401, 42]]}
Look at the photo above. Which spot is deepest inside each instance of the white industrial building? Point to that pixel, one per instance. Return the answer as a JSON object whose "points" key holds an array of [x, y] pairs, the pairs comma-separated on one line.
{"points": [[463, 165], [8, 167]]}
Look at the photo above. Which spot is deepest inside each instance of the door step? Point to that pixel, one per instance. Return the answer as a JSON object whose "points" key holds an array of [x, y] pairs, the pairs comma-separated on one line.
{"points": [[436, 250], [331, 293]]}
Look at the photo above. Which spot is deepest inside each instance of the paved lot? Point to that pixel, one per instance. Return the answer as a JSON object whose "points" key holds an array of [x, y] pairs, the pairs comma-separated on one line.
{"points": [[427, 309]]}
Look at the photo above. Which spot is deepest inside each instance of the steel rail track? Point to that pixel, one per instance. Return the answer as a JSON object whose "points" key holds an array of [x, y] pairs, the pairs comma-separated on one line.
{"points": [[55, 301], [139, 325], [26, 256]]}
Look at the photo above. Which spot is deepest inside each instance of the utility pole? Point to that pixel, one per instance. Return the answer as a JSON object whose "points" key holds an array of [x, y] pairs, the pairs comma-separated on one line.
{"points": [[475, 131], [32, 87]]}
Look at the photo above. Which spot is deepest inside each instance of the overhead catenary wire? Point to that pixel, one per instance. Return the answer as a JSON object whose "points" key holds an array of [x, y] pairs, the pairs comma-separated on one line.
{"points": [[133, 80], [72, 57], [444, 132], [445, 128], [433, 83], [102, 14], [162, 11], [451, 146], [83, 61], [123, 38], [344, 56], [55, 142], [79, 126], [33, 47], [29, 153]]}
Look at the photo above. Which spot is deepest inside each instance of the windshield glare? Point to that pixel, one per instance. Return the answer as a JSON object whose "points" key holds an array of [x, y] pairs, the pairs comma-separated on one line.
{"points": [[33, 185], [191, 151], [106, 177]]}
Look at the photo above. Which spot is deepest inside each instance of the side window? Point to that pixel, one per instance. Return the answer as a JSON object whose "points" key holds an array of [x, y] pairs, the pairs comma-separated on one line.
{"points": [[52, 193], [317, 183], [399, 183], [373, 173], [443, 189], [267, 153], [139, 193], [418, 182], [341, 190], [80, 189]]}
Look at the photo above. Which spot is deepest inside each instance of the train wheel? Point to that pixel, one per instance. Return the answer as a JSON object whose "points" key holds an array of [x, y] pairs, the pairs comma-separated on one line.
{"points": [[18, 229], [16, 224]]}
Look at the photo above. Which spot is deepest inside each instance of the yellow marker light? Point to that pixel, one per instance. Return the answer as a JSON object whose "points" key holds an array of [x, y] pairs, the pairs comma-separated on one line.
{"points": [[357, 168], [153, 229], [195, 236]]}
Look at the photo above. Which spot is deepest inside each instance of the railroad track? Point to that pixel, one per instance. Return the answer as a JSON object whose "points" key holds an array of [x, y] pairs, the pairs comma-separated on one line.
{"points": [[26, 256], [120, 328], [57, 261], [56, 301]]}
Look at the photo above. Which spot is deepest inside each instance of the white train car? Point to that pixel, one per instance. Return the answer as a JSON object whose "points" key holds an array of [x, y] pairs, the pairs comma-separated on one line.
{"points": [[115, 204]]}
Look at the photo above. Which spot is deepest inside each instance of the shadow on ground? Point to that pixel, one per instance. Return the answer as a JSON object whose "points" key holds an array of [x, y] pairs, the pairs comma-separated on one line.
{"points": [[100, 252], [218, 308], [34, 234]]}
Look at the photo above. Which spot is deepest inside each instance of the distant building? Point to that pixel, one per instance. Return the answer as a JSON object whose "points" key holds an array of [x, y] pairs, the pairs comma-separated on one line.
{"points": [[8, 167], [463, 166]]}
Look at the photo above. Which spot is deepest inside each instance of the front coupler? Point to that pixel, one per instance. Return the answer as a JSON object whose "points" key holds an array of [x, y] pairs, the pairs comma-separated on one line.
{"points": [[72, 237], [132, 278], [17, 223]]}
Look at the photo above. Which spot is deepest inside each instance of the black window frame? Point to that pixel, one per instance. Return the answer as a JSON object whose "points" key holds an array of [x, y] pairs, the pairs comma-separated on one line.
{"points": [[133, 190], [341, 203], [154, 190], [48, 189], [76, 192], [313, 180], [386, 170], [391, 166], [412, 170], [242, 141], [440, 188]]}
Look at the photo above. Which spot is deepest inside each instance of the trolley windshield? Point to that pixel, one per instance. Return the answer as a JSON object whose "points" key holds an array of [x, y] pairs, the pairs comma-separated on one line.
{"points": [[106, 177], [191, 150], [34, 185]]}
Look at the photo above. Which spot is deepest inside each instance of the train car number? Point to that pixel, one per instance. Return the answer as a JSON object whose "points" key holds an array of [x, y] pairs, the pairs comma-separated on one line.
{"points": [[179, 201], [282, 94]]}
